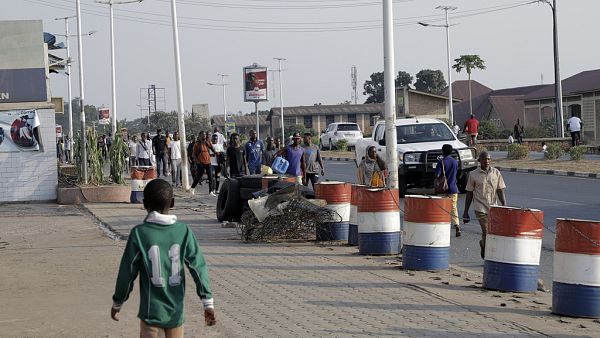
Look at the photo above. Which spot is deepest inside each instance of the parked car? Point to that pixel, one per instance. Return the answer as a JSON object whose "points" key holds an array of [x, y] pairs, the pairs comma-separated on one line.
{"points": [[340, 131], [420, 144]]}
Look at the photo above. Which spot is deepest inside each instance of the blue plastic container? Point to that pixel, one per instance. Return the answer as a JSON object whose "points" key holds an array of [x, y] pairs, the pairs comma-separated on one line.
{"points": [[280, 165]]}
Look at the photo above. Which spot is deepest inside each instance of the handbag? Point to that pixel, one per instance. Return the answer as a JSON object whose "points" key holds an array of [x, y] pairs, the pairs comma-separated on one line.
{"points": [[440, 184]]}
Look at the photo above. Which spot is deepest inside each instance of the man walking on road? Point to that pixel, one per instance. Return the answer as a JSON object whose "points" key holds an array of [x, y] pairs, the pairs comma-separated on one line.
{"points": [[254, 151], [574, 126], [159, 143], [470, 128], [314, 163], [294, 154], [484, 188]]}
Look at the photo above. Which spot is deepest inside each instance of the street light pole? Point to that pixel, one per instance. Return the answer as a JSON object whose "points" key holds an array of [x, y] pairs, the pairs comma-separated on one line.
{"points": [[446, 9], [557, 83], [222, 84], [70, 139], [390, 93], [110, 4], [180, 106], [281, 98], [83, 150]]}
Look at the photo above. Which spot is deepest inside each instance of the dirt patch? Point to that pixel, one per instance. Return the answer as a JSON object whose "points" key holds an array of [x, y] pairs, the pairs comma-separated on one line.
{"points": [[588, 166]]}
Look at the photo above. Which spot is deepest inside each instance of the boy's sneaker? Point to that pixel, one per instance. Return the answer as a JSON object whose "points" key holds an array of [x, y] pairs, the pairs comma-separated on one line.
{"points": [[212, 193], [192, 191]]}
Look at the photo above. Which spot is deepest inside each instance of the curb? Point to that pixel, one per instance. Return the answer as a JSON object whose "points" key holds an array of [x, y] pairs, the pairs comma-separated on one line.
{"points": [[509, 169]]}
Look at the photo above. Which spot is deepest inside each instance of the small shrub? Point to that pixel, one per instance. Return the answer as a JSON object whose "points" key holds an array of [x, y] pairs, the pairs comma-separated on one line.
{"points": [[479, 148], [577, 153], [555, 150], [342, 145], [517, 151]]}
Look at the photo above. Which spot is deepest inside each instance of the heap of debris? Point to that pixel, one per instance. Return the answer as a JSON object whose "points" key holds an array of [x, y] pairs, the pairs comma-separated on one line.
{"points": [[284, 215]]}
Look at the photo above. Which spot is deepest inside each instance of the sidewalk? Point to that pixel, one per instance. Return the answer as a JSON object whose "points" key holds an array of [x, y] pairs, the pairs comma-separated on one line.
{"points": [[261, 290]]}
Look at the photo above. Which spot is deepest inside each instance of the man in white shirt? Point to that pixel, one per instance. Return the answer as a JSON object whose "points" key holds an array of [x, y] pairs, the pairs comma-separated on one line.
{"points": [[132, 145], [217, 160], [144, 151], [456, 129], [175, 151], [220, 138], [574, 126]]}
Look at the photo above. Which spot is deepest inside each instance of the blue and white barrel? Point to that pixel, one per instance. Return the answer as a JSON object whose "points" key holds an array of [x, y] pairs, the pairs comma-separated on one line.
{"points": [[140, 176], [426, 232], [378, 214], [337, 195], [576, 280], [353, 226], [513, 246]]}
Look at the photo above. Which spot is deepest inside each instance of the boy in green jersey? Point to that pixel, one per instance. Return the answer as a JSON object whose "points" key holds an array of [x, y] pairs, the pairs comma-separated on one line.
{"points": [[157, 249]]}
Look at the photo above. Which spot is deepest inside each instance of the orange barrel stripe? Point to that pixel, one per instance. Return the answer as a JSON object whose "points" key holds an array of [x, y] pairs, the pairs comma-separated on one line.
{"points": [[356, 193], [264, 182], [375, 200], [516, 222], [137, 174], [577, 236], [333, 192], [423, 209]]}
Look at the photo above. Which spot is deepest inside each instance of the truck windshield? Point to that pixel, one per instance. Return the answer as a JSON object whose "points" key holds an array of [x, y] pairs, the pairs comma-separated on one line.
{"points": [[426, 132]]}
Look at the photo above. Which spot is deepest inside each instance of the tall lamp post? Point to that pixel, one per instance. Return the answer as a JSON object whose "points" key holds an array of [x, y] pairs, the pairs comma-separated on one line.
{"points": [[67, 37], [557, 84], [222, 84], [83, 151], [390, 93], [281, 98], [180, 106], [446, 9], [110, 4]]}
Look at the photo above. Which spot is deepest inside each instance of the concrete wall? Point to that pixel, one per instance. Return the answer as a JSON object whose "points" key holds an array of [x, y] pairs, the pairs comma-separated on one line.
{"points": [[31, 175]]}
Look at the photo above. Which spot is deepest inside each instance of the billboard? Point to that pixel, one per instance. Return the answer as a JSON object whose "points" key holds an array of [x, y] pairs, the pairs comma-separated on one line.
{"points": [[59, 131], [103, 116], [255, 83], [19, 131]]}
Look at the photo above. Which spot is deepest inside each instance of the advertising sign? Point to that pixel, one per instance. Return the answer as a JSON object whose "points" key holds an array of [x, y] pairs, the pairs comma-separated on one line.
{"points": [[230, 128], [58, 131], [103, 116], [255, 84], [19, 131]]}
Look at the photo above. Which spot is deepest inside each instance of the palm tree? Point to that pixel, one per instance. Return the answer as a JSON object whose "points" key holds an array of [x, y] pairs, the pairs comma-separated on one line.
{"points": [[469, 62]]}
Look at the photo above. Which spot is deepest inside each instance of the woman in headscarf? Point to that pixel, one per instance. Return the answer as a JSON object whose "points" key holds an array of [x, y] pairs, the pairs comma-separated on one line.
{"points": [[370, 170]]}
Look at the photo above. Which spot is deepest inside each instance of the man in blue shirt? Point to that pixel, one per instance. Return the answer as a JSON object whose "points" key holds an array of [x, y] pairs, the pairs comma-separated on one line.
{"points": [[448, 167], [254, 151]]}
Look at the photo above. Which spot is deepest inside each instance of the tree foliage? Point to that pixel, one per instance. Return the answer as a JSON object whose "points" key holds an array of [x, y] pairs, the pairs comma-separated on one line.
{"points": [[374, 87], [167, 121], [430, 81], [468, 63]]}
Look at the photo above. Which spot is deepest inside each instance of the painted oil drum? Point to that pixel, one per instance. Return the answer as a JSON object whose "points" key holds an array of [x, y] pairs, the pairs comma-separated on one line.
{"points": [[426, 232], [378, 214], [338, 196], [576, 280], [353, 226], [512, 249], [140, 176], [270, 180]]}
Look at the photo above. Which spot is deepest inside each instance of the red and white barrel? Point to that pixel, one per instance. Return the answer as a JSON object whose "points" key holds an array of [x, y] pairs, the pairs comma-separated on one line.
{"points": [[140, 176], [378, 215], [426, 232], [513, 246], [353, 226], [338, 196], [576, 280]]}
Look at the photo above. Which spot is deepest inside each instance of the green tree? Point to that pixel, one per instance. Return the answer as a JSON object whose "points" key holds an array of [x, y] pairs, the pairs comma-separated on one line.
{"points": [[468, 63], [374, 87], [430, 81]]}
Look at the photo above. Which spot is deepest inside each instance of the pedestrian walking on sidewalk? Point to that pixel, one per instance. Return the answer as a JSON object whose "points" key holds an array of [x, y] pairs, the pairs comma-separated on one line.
{"points": [[294, 154], [471, 128], [159, 144], [202, 151], [313, 162], [448, 167], [518, 131], [217, 161], [144, 151], [270, 151], [485, 188], [574, 126], [175, 155], [254, 152], [236, 157], [157, 250]]}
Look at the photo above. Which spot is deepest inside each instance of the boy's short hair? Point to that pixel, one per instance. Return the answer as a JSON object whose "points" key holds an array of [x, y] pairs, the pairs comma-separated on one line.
{"points": [[447, 149], [158, 195]]}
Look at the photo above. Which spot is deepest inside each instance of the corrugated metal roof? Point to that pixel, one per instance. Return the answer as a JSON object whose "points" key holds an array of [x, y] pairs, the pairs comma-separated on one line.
{"points": [[338, 109], [246, 120], [587, 81], [460, 89]]}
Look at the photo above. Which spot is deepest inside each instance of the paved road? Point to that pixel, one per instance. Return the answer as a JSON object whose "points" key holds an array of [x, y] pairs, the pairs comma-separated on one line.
{"points": [[557, 196]]}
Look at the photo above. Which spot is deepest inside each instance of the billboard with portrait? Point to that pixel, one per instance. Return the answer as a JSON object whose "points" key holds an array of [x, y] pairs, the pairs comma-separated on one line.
{"points": [[255, 84], [19, 131], [103, 116]]}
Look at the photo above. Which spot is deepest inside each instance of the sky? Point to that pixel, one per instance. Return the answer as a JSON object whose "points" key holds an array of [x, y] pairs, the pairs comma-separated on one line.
{"points": [[321, 41]]}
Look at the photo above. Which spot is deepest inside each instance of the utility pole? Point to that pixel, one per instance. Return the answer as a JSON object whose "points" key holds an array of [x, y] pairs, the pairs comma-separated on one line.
{"points": [[110, 4], [83, 150], [180, 106], [353, 82], [69, 94], [222, 84], [279, 60], [390, 89]]}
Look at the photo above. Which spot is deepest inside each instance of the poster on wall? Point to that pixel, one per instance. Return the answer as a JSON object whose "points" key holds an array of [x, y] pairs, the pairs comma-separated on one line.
{"points": [[19, 131], [103, 116], [255, 83]]}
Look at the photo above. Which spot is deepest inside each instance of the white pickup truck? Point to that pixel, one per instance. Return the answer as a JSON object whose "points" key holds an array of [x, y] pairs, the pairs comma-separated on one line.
{"points": [[420, 143]]}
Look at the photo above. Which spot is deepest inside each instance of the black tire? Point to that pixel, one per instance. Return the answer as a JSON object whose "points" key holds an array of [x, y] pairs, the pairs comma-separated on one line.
{"points": [[252, 181], [402, 185], [228, 202], [246, 193], [462, 182]]}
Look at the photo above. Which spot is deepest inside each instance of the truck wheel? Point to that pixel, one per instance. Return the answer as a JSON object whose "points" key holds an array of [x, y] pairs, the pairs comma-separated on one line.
{"points": [[462, 182], [228, 202], [402, 185]]}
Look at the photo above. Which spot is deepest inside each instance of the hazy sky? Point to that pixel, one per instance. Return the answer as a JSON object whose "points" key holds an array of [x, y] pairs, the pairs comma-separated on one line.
{"points": [[320, 39]]}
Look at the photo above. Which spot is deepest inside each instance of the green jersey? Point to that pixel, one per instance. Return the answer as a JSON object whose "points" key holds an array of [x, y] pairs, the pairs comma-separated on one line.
{"points": [[158, 249]]}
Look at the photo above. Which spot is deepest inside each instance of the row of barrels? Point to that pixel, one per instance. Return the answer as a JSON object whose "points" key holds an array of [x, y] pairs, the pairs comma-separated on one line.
{"points": [[370, 219]]}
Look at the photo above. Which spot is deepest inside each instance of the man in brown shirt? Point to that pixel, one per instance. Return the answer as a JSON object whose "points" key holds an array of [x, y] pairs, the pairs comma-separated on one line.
{"points": [[485, 188]]}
